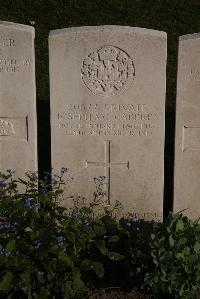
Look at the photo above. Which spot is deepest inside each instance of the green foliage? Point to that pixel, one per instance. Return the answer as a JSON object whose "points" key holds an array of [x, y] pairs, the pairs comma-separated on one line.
{"points": [[175, 249], [40, 243], [48, 251]]}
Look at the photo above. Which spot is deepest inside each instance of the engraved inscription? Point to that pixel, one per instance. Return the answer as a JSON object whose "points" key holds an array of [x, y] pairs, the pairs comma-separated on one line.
{"points": [[108, 71], [136, 215], [191, 139], [13, 65], [7, 42], [119, 213], [9, 63], [6, 128], [107, 165], [14, 128], [107, 120]]}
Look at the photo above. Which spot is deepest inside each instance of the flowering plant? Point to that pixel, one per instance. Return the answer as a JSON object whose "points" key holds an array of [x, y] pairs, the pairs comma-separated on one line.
{"points": [[40, 244], [44, 249], [48, 251]]}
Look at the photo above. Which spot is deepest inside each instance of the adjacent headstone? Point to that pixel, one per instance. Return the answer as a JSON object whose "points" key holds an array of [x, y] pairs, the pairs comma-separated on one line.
{"points": [[107, 88], [187, 145], [18, 140]]}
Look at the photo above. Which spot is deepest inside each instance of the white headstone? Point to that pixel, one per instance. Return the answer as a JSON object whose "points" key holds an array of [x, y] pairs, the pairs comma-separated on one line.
{"points": [[18, 129], [187, 145], [107, 88]]}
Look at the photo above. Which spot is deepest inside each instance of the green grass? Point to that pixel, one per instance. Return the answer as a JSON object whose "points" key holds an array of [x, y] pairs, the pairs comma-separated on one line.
{"points": [[176, 17]]}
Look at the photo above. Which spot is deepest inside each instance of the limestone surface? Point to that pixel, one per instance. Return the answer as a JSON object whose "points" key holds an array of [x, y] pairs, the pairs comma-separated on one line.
{"points": [[107, 89], [18, 129], [187, 143]]}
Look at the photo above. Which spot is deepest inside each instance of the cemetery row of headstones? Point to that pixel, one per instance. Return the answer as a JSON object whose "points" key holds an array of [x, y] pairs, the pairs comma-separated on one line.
{"points": [[107, 87]]}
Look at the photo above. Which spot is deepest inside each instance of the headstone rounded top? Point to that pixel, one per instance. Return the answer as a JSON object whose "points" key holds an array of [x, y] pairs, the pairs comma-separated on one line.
{"points": [[189, 36], [107, 86], [17, 26], [109, 28]]}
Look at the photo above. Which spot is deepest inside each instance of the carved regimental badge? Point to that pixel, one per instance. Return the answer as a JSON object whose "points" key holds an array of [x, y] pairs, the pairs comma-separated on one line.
{"points": [[108, 71], [6, 128]]}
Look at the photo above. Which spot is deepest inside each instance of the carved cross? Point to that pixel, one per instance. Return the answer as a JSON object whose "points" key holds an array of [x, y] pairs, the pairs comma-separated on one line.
{"points": [[107, 165]]}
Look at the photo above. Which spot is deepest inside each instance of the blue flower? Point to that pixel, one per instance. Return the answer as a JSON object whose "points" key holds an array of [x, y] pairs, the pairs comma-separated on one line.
{"points": [[37, 244], [2, 184], [134, 216], [30, 203], [27, 201], [13, 222], [4, 225], [76, 213], [61, 239], [2, 250]]}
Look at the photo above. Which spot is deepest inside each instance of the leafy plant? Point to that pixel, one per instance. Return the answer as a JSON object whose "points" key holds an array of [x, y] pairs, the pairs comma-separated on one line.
{"points": [[175, 249], [40, 243], [48, 251]]}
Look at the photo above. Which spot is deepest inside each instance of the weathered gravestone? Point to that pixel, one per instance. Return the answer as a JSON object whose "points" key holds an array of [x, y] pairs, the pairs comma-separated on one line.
{"points": [[107, 88], [18, 147], [187, 148]]}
